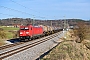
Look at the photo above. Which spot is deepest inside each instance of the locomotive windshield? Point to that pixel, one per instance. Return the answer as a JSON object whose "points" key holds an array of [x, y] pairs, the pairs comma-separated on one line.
{"points": [[26, 28]]}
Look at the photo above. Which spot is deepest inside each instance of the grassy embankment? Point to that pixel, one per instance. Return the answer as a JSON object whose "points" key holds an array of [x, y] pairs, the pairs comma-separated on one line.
{"points": [[70, 50], [9, 33]]}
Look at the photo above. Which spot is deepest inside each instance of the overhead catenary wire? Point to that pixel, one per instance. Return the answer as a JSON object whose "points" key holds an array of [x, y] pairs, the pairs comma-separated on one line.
{"points": [[23, 6], [7, 14], [42, 17], [15, 10], [20, 11], [30, 9], [26, 7]]}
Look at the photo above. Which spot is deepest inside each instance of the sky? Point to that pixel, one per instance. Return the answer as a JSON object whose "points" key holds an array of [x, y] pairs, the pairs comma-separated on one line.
{"points": [[45, 9]]}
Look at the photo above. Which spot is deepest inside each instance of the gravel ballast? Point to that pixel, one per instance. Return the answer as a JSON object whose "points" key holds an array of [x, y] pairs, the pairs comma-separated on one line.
{"points": [[36, 51]]}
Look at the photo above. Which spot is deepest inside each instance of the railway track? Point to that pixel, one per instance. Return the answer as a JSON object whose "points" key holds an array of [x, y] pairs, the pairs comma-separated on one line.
{"points": [[21, 47], [11, 45]]}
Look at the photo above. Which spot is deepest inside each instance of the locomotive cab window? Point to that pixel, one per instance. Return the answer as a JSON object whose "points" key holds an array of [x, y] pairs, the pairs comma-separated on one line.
{"points": [[26, 28], [22, 29]]}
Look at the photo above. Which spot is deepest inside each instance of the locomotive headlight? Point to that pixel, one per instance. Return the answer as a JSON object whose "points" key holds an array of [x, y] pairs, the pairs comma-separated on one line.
{"points": [[26, 27], [21, 33], [27, 32]]}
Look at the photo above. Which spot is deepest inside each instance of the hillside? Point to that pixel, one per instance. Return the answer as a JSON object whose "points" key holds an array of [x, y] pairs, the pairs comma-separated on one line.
{"points": [[60, 22]]}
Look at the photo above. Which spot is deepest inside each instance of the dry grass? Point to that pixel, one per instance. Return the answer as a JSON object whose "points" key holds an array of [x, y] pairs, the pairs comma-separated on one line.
{"points": [[2, 42], [69, 35], [7, 33], [70, 50]]}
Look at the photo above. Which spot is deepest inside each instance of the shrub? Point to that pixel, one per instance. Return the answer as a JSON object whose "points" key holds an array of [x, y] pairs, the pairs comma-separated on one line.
{"points": [[81, 31], [2, 34]]}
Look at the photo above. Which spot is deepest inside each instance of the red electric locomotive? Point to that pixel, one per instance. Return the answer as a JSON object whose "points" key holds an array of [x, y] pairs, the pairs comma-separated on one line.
{"points": [[28, 32]]}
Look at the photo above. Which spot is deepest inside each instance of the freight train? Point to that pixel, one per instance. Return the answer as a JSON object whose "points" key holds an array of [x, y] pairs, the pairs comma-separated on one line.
{"points": [[29, 32]]}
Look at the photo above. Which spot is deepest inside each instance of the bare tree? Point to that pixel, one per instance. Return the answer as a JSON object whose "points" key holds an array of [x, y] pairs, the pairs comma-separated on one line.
{"points": [[81, 31]]}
